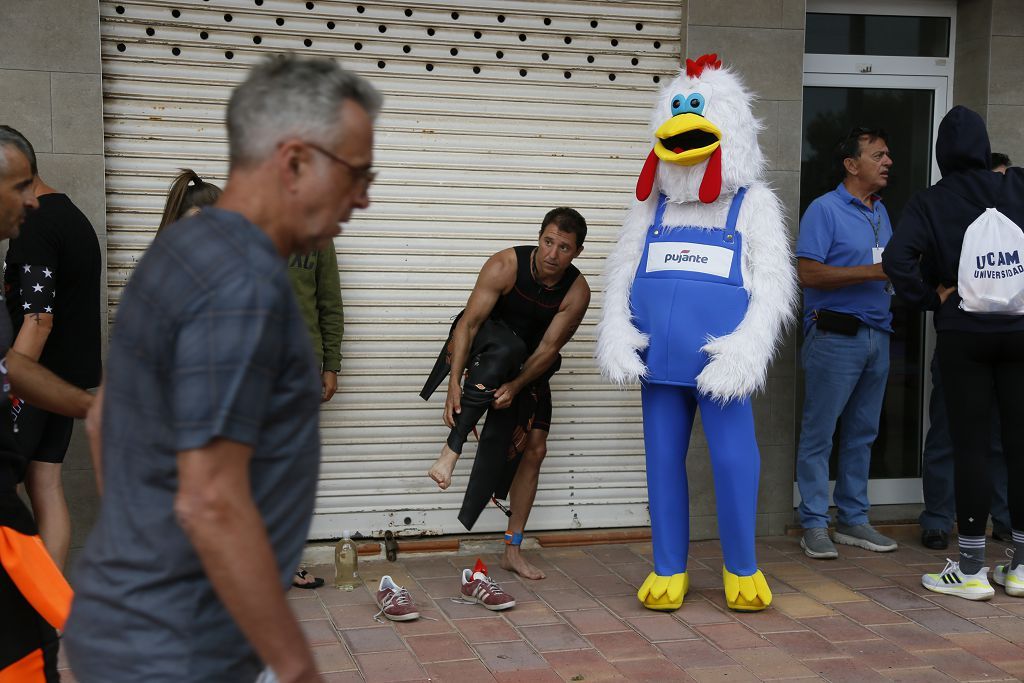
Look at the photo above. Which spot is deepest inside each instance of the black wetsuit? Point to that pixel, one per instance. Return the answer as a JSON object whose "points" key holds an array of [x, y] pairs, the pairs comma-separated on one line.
{"points": [[506, 339]]}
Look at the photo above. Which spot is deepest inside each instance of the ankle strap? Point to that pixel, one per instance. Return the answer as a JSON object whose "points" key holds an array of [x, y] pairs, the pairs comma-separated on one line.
{"points": [[514, 539]]}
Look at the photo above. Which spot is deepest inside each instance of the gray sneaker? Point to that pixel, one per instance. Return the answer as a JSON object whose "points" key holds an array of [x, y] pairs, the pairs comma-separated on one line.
{"points": [[818, 545], [863, 536]]}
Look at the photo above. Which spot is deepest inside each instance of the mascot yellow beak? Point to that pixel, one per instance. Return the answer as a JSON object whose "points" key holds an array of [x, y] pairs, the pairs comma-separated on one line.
{"points": [[687, 139]]}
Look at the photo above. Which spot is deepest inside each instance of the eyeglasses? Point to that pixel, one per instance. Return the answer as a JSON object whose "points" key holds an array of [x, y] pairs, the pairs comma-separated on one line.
{"points": [[365, 174]]}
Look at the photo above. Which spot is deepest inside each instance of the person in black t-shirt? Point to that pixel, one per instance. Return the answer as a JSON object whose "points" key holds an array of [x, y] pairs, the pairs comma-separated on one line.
{"points": [[34, 596], [537, 294], [52, 286]]}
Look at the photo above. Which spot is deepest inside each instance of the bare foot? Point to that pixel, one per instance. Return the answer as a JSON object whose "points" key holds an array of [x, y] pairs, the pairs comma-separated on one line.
{"points": [[441, 470], [513, 561]]}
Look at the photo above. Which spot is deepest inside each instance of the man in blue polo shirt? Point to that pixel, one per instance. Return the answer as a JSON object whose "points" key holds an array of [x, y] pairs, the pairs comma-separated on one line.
{"points": [[847, 325]]}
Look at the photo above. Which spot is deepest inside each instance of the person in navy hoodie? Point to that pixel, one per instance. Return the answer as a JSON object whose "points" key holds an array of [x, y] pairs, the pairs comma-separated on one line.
{"points": [[981, 356]]}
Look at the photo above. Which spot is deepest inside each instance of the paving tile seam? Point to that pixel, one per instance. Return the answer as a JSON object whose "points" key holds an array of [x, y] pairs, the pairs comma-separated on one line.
{"points": [[444, 661], [622, 567], [974, 620], [403, 639]]}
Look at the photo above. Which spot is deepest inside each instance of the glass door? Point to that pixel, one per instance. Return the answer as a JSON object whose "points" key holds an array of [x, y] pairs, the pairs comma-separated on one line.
{"points": [[908, 108]]}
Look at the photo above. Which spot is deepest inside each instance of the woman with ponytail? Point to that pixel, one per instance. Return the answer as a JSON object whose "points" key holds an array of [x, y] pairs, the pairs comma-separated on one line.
{"points": [[188, 194]]}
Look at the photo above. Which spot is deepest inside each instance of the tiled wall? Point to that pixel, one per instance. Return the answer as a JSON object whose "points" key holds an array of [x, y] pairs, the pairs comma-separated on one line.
{"points": [[50, 90], [1006, 87], [989, 63], [973, 44], [764, 41]]}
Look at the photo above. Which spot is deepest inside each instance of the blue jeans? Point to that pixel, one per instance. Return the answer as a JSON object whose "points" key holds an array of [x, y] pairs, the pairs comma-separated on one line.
{"points": [[937, 473], [845, 378]]}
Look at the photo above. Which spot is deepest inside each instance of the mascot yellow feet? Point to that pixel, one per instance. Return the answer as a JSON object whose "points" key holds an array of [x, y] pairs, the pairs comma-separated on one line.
{"points": [[746, 593], [664, 592]]}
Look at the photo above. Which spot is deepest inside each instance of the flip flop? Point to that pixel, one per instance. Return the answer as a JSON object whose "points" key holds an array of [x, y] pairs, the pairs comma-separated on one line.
{"points": [[303, 574]]}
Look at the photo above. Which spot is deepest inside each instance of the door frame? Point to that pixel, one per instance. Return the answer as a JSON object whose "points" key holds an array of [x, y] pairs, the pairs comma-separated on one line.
{"points": [[870, 65], [874, 71], [939, 85]]}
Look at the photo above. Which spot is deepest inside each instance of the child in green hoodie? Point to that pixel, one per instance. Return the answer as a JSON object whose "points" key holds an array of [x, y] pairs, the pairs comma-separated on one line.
{"points": [[317, 289]]}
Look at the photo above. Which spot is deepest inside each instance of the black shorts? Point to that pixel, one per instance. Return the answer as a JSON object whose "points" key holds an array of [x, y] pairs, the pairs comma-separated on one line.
{"points": [[542, 413], [42, 436]]}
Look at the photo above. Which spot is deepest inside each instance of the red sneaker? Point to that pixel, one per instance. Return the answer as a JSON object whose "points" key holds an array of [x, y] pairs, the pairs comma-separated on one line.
{"points": [[395, 602], [478, 587]]}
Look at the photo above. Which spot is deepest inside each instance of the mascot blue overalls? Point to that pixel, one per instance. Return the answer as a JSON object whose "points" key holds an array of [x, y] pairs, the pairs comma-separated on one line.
{"points": [[698, 291]]}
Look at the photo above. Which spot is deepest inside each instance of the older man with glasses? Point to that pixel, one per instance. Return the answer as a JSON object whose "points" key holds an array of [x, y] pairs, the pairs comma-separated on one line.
{"points": [[847, 327], [210, 438]]}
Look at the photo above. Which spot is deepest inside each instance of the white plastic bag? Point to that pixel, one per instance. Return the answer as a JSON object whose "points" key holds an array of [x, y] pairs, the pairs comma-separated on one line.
{"points": [[991, 274]]}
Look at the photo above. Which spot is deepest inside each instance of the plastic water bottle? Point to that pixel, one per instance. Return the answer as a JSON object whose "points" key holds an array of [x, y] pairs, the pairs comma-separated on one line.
{"points": [[346, 564]]}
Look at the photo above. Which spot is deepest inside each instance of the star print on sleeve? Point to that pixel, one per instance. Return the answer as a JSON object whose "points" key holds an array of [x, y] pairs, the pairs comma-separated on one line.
{"points": [[38, 288]]}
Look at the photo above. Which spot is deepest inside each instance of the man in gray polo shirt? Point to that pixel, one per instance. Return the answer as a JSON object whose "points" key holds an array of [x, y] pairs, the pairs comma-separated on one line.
{"points": [[210, 441]]}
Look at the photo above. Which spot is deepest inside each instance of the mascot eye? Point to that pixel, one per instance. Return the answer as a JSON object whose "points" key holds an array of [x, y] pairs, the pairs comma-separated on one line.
{"points": [[678, 106], [691, 103]]}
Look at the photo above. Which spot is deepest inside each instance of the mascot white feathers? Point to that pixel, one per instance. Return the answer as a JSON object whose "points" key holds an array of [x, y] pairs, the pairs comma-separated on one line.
{"points": [[698, 291]]}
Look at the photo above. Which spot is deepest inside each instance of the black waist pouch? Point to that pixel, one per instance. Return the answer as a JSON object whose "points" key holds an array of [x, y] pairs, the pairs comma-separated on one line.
{"points": [[840, 323]]}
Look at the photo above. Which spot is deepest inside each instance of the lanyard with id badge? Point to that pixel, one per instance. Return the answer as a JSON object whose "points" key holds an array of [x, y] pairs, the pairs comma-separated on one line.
{"points": [[878, 249]]}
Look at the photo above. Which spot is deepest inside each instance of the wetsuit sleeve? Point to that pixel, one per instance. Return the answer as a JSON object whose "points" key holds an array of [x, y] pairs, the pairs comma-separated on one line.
{"points": [[901, 259], [329, 307]]}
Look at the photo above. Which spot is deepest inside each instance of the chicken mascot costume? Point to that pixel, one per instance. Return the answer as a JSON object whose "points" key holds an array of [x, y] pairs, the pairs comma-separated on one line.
{"points": [[698, 290]]}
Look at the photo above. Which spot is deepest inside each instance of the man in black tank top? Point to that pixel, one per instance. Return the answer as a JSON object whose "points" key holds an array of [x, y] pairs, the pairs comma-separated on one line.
{"points": [[34, 597], [538, 294]]}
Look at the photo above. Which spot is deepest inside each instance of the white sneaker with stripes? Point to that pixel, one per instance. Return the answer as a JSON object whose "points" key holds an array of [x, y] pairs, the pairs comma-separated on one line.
{"points": [[952, 581], [1012, 580]]}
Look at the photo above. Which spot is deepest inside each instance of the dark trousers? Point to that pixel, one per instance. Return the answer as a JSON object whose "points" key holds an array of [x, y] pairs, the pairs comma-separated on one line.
{"points": [[937, 470], [984, 373]]}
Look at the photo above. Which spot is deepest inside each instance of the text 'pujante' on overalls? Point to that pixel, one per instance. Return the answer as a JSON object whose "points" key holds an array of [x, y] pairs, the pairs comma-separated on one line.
{"points": [[688, 288]]}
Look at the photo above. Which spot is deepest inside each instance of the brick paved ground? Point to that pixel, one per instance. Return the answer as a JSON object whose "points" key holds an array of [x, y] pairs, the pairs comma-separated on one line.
{"points": [[864, 617]]}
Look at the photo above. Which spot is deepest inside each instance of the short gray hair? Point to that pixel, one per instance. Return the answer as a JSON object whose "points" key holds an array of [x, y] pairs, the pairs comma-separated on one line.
{"points": [[9, 137], [289, 96]]}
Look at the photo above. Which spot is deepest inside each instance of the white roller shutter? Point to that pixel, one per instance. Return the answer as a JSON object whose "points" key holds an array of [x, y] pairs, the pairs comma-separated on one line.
{"points": [[494, 114]]}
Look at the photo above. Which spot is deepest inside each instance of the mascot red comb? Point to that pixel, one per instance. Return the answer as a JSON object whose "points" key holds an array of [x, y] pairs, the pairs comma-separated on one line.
{"points": [[697, 293]]}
